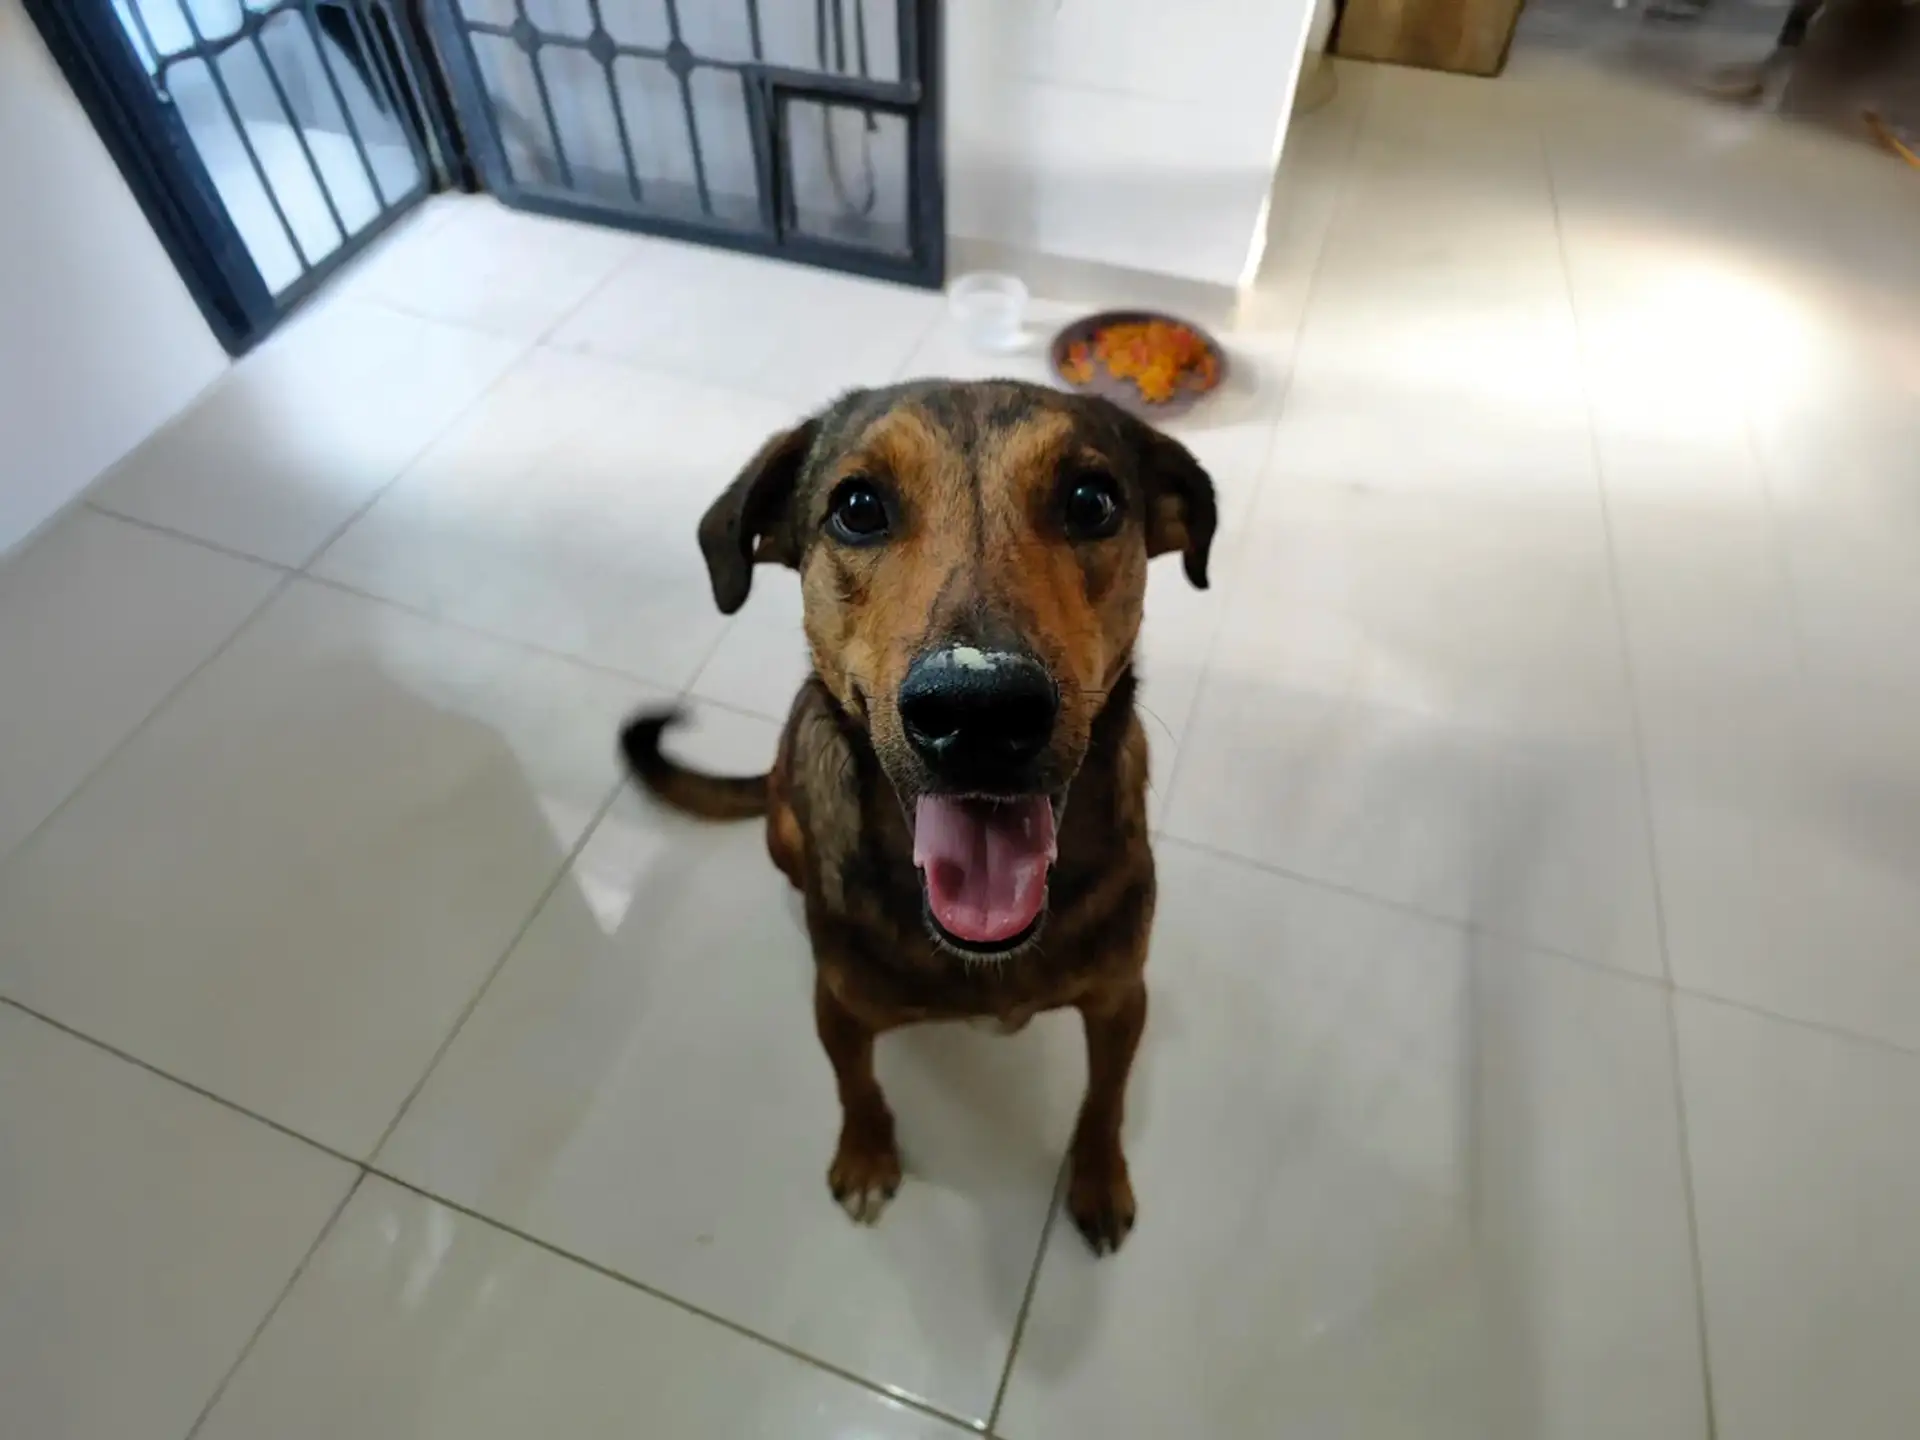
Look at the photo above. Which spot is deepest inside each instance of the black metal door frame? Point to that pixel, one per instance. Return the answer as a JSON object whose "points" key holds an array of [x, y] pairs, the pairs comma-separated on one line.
{"points": [[769, 93], [149, 141]]}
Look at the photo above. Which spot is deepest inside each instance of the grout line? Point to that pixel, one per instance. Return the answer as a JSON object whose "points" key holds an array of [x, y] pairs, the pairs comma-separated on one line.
{"points": [[220, 1390], [1054, 1197], [529, 647], [1819, 1027], [1702, 1336], [544, 340], [247, 622], [534, 912], [368, 1167], [108, 1047], [1402, 907], [1268, 472], [154, 527], [81, 501], [1551, 952], [898, 1397], [1622, 635], [1630, 676], [689, 699], [406, 467], [1684, 1135]]}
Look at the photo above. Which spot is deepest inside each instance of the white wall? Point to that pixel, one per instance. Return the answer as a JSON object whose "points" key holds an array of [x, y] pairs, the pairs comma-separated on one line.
{"points": [[99, 342], [1131, 132]]}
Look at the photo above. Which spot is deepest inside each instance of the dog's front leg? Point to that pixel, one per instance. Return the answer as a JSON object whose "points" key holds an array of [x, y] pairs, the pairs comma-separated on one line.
{"points": [[865, 1173], [1099, 1193]]}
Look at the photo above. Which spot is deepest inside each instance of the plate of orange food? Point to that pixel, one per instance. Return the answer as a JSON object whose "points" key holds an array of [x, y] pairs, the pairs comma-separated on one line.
{"points": [[1144, 361]]}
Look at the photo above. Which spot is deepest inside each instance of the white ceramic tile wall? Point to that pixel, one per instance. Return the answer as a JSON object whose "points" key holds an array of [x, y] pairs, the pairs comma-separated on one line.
{"points": [[1126, 133], [100, 343]]}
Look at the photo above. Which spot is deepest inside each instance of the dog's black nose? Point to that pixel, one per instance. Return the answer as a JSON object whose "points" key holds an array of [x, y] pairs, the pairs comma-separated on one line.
{"points": [[978, 716]]}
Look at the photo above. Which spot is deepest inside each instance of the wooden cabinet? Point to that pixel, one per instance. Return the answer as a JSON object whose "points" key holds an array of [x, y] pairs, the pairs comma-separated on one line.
{"points": [[1467, 37]]}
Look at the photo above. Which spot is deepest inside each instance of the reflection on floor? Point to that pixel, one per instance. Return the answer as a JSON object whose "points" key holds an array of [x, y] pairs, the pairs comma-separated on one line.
{"points": [[1536, 1028], [1857, 55]]}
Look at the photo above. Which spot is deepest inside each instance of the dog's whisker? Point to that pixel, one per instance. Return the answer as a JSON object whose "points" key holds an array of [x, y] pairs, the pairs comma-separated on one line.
{"points": [[1152, 715]]}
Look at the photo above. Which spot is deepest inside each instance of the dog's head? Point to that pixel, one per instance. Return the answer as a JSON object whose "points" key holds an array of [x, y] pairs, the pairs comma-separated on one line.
{"points": [[973, 560]]}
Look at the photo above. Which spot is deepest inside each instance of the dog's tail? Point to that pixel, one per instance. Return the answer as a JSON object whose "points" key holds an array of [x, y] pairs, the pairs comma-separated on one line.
{"points": [[709, 797]]}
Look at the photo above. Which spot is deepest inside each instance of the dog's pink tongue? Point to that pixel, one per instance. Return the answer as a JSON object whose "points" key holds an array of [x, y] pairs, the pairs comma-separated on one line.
{"points": [[985, 863]]}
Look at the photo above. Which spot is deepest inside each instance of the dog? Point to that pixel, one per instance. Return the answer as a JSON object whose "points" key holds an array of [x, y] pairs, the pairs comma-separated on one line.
{"points": [[959, 792]]}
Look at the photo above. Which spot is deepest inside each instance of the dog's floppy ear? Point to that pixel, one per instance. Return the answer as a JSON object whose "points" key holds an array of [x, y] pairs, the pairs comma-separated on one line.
{"points": [[750, 522], [1180, 508]]}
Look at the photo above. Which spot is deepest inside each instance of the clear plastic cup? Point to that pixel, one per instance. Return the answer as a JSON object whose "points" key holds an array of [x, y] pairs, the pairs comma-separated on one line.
{"points": [[990, 309]]}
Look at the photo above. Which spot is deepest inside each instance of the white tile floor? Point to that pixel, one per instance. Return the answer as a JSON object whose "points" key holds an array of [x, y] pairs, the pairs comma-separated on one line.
{"points": [[1536, 1043]]}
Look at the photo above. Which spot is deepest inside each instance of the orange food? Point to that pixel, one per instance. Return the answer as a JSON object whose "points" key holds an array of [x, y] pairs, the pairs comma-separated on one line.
{"points": [[1161, 358]]}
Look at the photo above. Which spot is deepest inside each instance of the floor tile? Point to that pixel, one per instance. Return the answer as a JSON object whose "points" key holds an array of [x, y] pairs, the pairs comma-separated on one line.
{"points": [[104, 618], [562, 512], [1445, 331], [1543, 839], [1806, 1183], [415, 1322], [318, 851], [492, 268], [762, 660], [799, 335], [642, 1086], [144, 1233], [1424, 701], [1433, 440], [1495, 614], [1419, 201], [1856, 589], [945, 352], [1789, 847], [300, 435], [1704, 590], [1393, 1182]]}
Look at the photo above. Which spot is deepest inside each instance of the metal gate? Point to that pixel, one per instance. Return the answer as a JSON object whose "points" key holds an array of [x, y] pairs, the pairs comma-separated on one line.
{"points": [[268, 140], [805, 129]]}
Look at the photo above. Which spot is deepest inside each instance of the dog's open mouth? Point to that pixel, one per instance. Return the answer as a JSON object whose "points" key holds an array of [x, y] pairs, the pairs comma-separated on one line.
{"points": [[984, 865]]}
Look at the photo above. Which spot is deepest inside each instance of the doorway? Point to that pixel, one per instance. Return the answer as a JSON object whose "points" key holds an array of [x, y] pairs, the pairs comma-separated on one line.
{"points": [[270, 141], [803, 129]]}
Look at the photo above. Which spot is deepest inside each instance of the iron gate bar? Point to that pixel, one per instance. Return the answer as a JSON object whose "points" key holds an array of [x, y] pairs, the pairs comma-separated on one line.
{"points": [[845, 87], [680, 62], [210, 58], [123, 80], [531, 38], [885, 95], [912, 98], [111, 78], [299, 132], [378, 57], [604, 56], [316, 39], [753, 31], [763, 124], [432, 132], [828, 98]]}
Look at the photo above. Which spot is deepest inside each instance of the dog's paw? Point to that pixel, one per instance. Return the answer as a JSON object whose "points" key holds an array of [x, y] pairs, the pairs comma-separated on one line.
{"points": [[864, 1178], [1100, 1200]]}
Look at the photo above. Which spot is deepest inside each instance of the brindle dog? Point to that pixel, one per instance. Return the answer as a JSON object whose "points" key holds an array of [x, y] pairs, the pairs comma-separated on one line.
{"points": [[960, 790]]}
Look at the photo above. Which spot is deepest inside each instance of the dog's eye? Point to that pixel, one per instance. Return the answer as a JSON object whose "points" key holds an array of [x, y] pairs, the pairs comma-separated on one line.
{"points": [[1092, 507], [856, 513]]}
